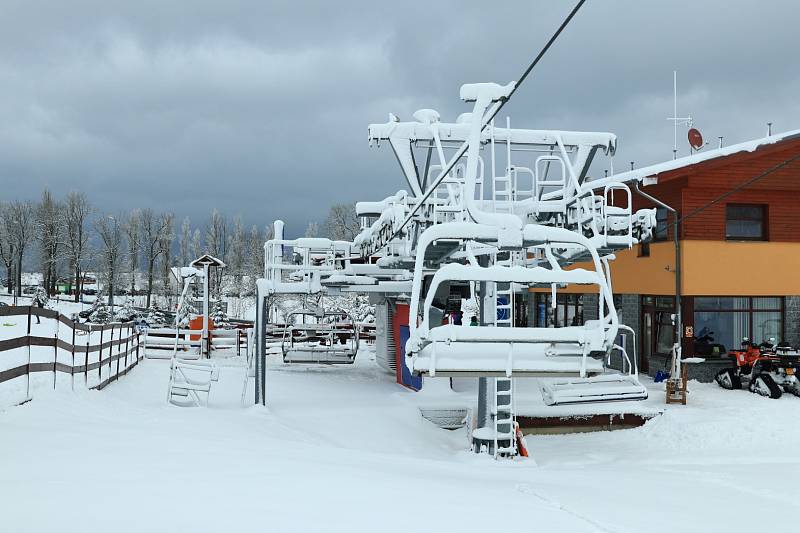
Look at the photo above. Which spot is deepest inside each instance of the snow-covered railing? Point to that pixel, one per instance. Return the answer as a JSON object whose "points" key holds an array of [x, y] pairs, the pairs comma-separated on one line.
{"points": [[31, 350], [160, 343]]}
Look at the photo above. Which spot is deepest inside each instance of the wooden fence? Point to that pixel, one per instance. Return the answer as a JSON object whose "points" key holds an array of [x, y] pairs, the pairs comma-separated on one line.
{"points": [[94, 354], [160, 343]]}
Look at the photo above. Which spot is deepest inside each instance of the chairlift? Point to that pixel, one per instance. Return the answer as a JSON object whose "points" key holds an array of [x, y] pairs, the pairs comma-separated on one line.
{"points": [[320, 337]]}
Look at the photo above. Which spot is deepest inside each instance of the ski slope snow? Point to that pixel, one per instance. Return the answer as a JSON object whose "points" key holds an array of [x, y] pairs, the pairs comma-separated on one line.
{"points": [[345, 449]]}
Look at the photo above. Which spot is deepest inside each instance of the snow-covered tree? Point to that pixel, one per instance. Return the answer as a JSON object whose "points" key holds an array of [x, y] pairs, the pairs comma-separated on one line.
{"points": [[341, 223], [356, 305], [312, 230], [40, 297], [217, 242], [126, 312], [237, 261], [166, 258], [218, 315], [154, 229], [76, 237], [110, 258], [186, 313], [21, 229], [156, 315], [133, 236], [7, 252], [197, 246], [48, 234], [185, 243], [100, 313], [255, 256]]}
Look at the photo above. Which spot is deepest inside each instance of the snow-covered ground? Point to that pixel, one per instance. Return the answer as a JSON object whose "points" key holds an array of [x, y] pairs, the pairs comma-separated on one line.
{"points": [[345, 449]]}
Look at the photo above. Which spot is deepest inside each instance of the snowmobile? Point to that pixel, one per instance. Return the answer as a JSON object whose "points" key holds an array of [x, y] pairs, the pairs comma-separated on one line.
{"points": [[768, 369]]}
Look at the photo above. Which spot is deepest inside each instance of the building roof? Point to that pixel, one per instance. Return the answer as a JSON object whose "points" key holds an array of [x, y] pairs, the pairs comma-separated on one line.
{"points": [[653, 171], [207, 259]]}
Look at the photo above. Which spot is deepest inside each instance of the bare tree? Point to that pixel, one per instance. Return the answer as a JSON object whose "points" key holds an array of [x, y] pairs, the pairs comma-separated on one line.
{"points": [[110, 232], [197, 247], [312, 230], [21, 228], [185, 242], [48, 233], [76, 238], [342, 223], [255, 256], [217, 242], [7, 252], [133, 236], [153, 230], [167, 238], [238, 250]]}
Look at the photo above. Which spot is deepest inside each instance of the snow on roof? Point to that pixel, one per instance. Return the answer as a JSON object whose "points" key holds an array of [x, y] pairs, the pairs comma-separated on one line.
{"points": [[207, 259], [186, 272], [654, 170]]}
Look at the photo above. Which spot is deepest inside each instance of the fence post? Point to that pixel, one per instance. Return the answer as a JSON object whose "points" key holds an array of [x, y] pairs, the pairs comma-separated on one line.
{"points": [[127, 342], [100, 358], [86, 360], [28, 369], [118, 350], [72, 369], [111, 352], [238, 343], [55, 356]]}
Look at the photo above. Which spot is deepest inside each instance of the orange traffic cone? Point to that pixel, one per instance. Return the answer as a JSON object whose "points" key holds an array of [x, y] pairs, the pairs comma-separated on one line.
{"points": [[523, 451]]}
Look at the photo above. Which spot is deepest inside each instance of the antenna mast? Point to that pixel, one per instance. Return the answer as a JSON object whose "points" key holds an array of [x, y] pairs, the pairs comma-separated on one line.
{"points": [[675, 118]]}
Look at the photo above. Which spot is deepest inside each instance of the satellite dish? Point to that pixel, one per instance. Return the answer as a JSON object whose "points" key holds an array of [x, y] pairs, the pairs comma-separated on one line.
{"points": [[695, 138]]}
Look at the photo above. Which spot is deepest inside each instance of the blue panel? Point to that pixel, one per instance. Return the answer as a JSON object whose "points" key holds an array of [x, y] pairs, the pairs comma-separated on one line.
{"points": [[412, 382], [503, 314]]}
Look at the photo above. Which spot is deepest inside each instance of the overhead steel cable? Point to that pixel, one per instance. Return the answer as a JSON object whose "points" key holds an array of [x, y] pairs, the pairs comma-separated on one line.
{"points": [[463, 148]]}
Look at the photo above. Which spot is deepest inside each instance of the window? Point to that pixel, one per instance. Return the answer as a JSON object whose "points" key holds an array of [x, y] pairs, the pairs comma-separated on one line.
{"points": [[662, 224], [745, 222], [720, 323], [568, 310]]}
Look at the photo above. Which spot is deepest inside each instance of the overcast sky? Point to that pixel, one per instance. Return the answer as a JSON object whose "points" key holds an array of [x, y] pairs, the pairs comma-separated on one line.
{"points": [[261, 108]]}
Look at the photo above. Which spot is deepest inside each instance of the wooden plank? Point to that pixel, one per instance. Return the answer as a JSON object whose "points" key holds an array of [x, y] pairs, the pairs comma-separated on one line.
{"points": [[11, 344], [12, 373]]}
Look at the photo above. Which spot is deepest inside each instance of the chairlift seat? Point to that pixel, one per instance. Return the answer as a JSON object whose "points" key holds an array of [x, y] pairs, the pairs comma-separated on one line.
{"points": [[601, 388]]}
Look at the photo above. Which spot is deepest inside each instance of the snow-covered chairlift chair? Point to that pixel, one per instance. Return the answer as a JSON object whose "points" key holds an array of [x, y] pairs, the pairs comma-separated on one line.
{"points": [[326, 341]]}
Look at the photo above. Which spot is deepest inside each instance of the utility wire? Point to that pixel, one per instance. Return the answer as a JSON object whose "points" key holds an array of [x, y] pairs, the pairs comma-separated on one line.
{"points": [[739, 187], [539, 56], [463, 149]]}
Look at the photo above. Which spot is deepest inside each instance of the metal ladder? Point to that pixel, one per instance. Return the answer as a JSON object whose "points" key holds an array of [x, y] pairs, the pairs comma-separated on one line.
{"points": [[505, 443], [503, 194]]}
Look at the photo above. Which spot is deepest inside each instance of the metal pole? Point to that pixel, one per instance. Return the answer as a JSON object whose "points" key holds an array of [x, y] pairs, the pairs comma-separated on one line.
{"points": [[483, 382], [678, 282], [675, 114], [203, 342]]}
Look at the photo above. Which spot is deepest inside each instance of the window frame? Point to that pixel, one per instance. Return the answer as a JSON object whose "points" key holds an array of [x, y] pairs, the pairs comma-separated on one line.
{"points": [[764, 208], [665, 230], [749, 309]]}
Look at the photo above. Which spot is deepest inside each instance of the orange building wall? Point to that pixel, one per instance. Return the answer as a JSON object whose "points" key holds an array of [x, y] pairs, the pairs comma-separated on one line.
{"points": [[711, 268]]}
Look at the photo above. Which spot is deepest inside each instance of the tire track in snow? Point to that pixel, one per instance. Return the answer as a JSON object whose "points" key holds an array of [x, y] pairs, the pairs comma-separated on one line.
{"points": [[525, 488]]}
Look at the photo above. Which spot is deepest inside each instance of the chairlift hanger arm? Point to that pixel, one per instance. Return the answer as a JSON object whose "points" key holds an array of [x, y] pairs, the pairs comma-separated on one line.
{"points": [[489, 116]]}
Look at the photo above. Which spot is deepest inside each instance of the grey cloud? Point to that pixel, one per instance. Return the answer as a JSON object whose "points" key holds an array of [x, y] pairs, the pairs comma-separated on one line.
{"points": [[261, 107]]}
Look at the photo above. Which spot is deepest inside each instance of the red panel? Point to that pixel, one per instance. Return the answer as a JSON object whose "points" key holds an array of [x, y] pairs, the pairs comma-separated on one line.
{"points": [[400, 319]]}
